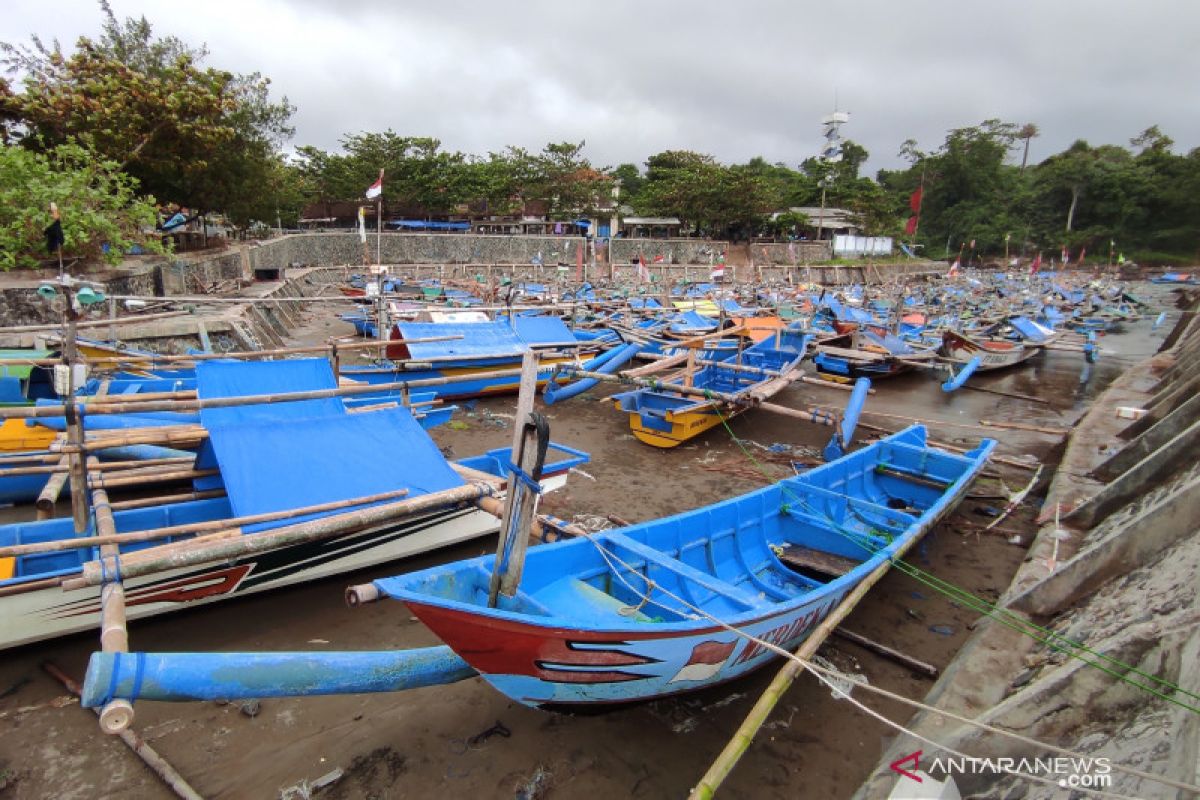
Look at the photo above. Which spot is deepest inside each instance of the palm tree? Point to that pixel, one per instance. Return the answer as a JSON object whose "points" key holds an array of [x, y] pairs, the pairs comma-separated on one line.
{"points": [[1027, 132]]}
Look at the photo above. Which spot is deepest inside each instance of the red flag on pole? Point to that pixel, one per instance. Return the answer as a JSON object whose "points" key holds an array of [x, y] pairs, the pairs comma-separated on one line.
{"points": [[914, 202], [911, 226], [1037, 264], [376, 188]]}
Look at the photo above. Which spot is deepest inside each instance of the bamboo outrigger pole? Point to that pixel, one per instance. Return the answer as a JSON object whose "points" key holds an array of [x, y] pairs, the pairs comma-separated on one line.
{"points": [[140, 563]]}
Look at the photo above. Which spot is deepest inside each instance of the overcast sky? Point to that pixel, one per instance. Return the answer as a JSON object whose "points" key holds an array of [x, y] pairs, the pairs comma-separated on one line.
{"points": [[734, 79]]}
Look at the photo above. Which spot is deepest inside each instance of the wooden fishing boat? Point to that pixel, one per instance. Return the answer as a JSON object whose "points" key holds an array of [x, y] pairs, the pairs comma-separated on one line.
{"points": [[268, 459], [867, 353], [660, 607], [481, 347], [992, 353], [653, 609], [664, 417]]}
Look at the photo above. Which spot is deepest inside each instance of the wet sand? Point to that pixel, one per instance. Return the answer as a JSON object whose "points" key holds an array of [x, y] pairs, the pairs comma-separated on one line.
{"points": [[420, 743]]}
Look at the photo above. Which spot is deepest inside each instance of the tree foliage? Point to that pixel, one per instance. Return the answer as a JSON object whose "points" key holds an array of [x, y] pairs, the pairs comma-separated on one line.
{"points": [[196, 136], [98, 203]]}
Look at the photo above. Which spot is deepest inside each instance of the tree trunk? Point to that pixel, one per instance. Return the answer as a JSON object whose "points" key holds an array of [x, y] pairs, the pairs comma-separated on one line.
{"points": [[1074, 203]]}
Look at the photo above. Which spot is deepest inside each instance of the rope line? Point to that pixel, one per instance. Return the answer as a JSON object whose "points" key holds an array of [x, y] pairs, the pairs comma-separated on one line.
{"points": [[823, 673], [994, 611]]}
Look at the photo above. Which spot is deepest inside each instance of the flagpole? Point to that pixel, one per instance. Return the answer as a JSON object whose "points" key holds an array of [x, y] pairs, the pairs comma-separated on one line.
{"points": [[920, 202], [378, 229]]}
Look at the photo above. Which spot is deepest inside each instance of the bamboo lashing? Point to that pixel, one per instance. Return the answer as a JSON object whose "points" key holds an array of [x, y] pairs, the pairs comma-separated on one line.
{"points": [[234, 524]]}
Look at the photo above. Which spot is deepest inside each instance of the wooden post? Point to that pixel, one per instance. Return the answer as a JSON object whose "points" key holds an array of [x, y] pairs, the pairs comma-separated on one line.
{"points": [[521, 503], [49, 495]]}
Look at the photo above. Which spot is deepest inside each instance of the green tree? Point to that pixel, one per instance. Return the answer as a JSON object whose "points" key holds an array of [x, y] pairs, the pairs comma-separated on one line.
{"points": [[185, 132], [98, 202]]}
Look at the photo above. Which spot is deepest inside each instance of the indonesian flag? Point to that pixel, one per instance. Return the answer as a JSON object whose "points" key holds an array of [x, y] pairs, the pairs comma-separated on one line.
{"points": [[658, 259], [1066, 256], [705, 662], [1036, 264], [911, 226], [914, 202], [643, 273], [954, 268], [376, 188], [718, 272]]}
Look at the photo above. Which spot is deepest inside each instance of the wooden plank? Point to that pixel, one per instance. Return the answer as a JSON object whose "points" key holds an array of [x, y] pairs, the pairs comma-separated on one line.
{"points": [[825, 563]]}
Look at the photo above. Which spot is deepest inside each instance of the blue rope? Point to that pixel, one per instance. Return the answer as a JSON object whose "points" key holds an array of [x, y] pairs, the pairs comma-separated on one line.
{"points": [[525, 478]]}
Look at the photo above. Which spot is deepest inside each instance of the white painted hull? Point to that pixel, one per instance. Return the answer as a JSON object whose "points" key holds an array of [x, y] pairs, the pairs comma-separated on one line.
{"points": [[50, 612]]}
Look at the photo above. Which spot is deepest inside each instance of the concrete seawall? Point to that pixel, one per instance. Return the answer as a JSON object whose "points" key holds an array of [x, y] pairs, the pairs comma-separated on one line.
{"points": [[1117, 576]]}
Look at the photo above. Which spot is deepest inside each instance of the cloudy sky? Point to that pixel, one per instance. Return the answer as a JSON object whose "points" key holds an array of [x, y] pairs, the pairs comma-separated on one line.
{"points": [[734, 79]]}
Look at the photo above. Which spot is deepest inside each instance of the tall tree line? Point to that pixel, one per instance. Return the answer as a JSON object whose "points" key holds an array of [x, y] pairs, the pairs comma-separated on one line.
{"points": [[127, 120]]}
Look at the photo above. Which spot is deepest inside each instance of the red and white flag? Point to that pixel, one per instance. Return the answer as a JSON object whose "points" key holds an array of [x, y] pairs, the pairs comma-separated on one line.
{"points": [[1036, 264], [643, 273], [718, 272], [705, 662], [376, 188], [954, 268]]}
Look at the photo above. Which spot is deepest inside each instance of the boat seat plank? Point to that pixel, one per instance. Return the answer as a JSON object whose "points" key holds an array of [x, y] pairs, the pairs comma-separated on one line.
{"points": [[857, 502], [703, 579], [795, 555], [586, 602]]}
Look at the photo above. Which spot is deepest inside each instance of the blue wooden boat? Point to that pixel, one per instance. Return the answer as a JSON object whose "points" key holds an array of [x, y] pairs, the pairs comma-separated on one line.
{"points": [[664, 417], [623, 615]]}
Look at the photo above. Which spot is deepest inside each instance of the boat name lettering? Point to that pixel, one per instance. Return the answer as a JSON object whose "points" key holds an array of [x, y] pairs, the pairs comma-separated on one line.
{"points": [[784, 633]]}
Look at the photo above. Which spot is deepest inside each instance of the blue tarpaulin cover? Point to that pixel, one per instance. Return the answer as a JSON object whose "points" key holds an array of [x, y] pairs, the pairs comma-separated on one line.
{"points": [[272, 459], [543, 331], [238, 379], [479, 339]]}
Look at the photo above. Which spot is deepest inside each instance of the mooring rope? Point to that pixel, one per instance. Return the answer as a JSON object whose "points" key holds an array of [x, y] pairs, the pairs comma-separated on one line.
{"points": [[999, 613], [822, 674]]}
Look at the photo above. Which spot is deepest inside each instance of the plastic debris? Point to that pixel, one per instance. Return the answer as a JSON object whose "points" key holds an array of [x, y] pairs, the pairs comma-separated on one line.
{"points": [[942, 630]]}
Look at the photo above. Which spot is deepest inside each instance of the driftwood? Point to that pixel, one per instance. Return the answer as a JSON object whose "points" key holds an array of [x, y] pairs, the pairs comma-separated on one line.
{"points": [[921, 667]]}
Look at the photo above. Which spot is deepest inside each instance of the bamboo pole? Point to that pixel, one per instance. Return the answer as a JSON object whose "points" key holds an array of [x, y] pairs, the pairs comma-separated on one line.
{"points": [[143, 478], [144, 502], [136, 743], [243, 354], [1020, 426], [26, 412], [48, 497], [744, 735], [117, 715], [137, 564], [232, 524], [103, 466], [91, 323]]}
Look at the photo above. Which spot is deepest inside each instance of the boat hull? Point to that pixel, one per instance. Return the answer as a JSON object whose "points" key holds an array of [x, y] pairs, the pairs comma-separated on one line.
{"points": [[677, 604]]}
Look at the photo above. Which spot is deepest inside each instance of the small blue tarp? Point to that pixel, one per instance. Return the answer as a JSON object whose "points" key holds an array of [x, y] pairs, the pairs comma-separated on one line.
{"points": [[274, 457], [543, 331], [479, 339]]}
